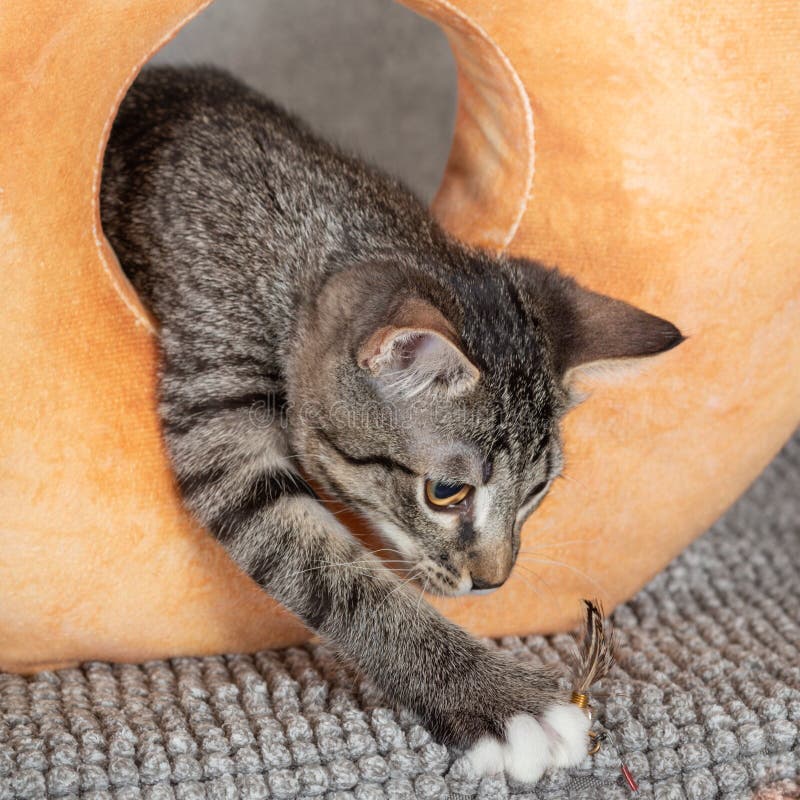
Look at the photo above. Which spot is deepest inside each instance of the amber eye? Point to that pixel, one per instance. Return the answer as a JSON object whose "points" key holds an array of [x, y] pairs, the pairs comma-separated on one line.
{"points": [[442, 493]]}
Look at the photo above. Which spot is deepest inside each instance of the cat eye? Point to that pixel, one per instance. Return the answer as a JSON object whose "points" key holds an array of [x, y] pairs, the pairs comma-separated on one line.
{"points": [[442, 494]]}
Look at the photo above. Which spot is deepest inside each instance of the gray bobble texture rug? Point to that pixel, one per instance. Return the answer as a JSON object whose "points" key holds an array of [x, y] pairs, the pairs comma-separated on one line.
{"points": [[704, 703]]}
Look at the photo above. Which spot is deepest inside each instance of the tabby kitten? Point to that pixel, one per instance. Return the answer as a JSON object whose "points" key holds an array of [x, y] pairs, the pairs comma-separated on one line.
{"points": [[315, 320]]}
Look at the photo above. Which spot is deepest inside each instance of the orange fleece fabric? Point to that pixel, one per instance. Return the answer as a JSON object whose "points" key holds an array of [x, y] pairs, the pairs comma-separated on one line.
{"points": [[650, 148]]}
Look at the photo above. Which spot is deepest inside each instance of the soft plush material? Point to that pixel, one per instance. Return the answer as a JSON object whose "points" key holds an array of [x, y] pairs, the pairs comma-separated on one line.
{"points": [[704, 703], [650, 148]]}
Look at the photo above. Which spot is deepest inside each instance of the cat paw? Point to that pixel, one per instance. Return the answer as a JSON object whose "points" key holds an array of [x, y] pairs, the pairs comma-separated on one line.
{"points": [[567, 727], [560, 739], [524, 755]]}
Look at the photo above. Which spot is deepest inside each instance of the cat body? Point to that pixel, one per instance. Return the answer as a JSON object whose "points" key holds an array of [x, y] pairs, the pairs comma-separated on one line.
{"points": [[316, 322]]}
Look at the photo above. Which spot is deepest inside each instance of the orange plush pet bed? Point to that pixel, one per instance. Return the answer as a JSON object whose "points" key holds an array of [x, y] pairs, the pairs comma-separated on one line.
{"points": [[652, 149]]}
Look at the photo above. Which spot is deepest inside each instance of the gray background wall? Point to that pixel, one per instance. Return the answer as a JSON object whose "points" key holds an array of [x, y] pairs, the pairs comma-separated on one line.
{"points": [[368, 74]]}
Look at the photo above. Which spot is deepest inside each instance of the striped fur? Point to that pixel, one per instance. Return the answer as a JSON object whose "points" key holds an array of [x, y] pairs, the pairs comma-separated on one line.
{"points": [[316, 323]]}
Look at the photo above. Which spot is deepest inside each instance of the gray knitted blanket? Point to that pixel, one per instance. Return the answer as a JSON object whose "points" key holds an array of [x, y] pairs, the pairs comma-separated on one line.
{"points": [[705, 701]]}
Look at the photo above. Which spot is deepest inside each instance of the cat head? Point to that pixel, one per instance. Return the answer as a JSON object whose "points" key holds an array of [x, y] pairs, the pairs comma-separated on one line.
{"points": [[429, 399]]}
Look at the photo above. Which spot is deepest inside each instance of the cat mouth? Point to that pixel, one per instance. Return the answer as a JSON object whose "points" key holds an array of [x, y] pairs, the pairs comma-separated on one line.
{"points": [[433, 578], [424, 571]]}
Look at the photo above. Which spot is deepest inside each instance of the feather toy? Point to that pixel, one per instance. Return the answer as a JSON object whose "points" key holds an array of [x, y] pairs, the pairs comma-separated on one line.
{"points": [[595, 662], [597, 654]]}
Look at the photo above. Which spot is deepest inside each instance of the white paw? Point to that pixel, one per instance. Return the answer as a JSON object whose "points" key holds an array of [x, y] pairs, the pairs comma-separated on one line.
{"points": [[486, 756], [560, 740], [526, 753], [567, 727]]}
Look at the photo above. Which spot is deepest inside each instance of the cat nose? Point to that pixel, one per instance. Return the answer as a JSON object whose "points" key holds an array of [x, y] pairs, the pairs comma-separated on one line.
{"points": [[484, 587]]}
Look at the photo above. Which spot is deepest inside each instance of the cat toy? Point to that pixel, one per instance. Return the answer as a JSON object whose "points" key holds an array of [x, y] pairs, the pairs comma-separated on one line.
{"points": [[595, 661]]}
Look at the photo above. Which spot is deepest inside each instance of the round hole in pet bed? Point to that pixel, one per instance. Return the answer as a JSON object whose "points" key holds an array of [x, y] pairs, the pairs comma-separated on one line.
{"points": [[373, 77]]}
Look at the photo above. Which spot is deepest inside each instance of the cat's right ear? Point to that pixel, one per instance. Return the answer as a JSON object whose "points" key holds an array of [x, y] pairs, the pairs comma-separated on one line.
{"points": [[417, 352], [588, 329]]}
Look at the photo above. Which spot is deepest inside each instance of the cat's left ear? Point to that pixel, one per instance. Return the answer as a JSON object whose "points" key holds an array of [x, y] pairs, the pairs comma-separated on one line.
{"points": [[588, 328], [417, 352]]}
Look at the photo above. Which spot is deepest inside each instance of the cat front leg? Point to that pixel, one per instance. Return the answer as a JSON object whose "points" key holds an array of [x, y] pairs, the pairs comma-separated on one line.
{"points": [[234, 475], [508, 715], [511, 716]]}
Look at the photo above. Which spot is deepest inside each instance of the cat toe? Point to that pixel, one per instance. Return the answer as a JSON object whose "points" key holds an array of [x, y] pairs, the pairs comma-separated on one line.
{"points": [[567, 727], [526, 752], [523, 756], [486, 756]]}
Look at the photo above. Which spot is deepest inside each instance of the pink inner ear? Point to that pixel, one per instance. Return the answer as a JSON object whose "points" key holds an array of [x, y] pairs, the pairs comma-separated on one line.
{"points": [[410, 347], [410, 361], [421, 345], [392, 348]]}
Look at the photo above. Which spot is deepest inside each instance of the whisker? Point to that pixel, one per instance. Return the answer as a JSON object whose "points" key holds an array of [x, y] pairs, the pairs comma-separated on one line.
{"points": [[530, 583], [363, 565], [536, 575], [412, 576], [570, 543], [569, 479], [338, 513], [421, 594], [556, 563], [390, 550]]}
